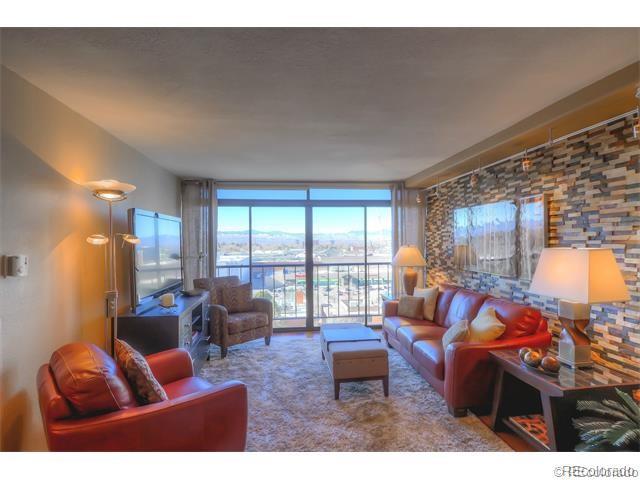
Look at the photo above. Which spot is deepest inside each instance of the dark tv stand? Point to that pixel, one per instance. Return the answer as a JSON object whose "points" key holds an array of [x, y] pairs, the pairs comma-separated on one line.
{"points": [[152, 328]]}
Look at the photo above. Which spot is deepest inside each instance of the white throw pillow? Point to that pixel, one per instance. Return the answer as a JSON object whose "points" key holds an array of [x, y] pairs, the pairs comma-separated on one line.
{"points": [[430, 296], [458, 332], [486, 327]]}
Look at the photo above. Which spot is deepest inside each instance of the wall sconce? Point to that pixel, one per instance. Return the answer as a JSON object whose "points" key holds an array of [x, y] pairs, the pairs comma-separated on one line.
{"points": [[526, 162], [111, 191], [474, 179]]}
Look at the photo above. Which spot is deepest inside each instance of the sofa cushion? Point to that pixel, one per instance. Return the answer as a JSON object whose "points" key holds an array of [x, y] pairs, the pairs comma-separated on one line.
{"points": [[215, 286], [444, 301], [430, 356], [392, 324], [244, 321], [430, 296], [90, 380], [185, 386], [139, 374], [237, 298], [410, 307], [464, 306], [520, 320], [408, 335]]}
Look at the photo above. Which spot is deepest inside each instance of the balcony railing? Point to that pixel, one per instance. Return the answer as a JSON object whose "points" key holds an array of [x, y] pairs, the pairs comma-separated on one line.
{"points": [[341, 291]]}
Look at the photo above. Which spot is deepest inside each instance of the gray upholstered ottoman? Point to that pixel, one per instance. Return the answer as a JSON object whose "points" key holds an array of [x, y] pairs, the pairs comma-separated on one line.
{"points": [[354, 353]]}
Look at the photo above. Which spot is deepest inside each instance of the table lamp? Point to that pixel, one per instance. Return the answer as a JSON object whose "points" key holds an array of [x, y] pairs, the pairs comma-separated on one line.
{"points": [[409, 256], [578, 278]]}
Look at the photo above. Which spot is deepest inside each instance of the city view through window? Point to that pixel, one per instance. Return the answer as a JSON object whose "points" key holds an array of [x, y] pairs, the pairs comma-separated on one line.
{"points": [[349, 259]]}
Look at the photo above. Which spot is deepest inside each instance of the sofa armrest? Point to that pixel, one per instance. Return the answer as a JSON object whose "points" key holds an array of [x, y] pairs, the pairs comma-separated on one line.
{"points": [[470, 373], [390, 308], [170, 365], [214, 419]]}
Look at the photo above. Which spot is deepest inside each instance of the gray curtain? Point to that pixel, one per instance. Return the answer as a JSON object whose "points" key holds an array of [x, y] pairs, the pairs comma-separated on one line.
{"points": [[407, 217], [199, 227]]}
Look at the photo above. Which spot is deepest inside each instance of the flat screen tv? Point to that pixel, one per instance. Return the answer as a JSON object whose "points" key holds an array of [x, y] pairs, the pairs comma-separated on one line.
{"points": [[156, 265]]}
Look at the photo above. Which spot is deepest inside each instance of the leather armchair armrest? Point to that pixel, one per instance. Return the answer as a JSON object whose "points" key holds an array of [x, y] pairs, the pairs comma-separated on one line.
{"points": [[390, 308], [214, 419], [469, 372], [170, 365]]}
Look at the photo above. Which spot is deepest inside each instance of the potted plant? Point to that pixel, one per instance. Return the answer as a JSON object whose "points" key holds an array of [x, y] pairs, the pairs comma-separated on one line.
{"points": [[609, 426]]}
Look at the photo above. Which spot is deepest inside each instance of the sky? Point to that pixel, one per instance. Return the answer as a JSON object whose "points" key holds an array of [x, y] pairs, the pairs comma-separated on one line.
{"points": [[291, 219]]}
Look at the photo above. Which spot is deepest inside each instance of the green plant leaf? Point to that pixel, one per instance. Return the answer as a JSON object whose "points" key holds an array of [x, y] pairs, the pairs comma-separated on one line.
{"points": [[619, 407], [635, 408], [597, 407], [628, 438]]}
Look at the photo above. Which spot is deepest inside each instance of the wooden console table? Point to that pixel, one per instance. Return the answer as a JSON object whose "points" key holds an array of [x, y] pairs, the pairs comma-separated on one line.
{"points": [[539, 407]]}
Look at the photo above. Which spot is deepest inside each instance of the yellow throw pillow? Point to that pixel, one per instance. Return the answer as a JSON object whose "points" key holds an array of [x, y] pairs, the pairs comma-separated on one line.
{"points": [[410, 307], [458, 332], [430, 296], [486, 327], [237, 298]]}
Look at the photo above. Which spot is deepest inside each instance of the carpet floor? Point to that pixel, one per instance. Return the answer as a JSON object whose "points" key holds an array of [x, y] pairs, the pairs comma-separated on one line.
{"points": [[291, 405]]}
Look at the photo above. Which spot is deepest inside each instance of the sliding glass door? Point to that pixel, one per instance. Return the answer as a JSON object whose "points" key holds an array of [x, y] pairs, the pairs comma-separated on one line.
{"points": [[351, 263], [319, 260]]}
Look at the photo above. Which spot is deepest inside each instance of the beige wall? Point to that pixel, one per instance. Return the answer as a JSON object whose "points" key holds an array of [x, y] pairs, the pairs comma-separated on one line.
{"points": [[48, 152]]}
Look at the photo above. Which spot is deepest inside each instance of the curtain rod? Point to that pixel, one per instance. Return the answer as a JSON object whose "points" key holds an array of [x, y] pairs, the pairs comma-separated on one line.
{"points": [[240, 184], [635, 111]]}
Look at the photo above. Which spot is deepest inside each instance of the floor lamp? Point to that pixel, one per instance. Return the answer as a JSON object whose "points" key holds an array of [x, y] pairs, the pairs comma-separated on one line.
{"points": [[111, 191]]}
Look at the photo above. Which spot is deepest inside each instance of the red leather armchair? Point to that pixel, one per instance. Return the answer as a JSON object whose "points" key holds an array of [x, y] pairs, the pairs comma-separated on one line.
{"points": [[87, 405], [463, 374]]}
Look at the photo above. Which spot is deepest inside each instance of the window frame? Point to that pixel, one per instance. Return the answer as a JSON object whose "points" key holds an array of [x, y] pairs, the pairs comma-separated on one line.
{"points": [[309, 263]]}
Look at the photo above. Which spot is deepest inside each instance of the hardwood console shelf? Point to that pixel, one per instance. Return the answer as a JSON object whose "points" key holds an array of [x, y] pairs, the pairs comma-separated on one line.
{"points": [[153, 328]]}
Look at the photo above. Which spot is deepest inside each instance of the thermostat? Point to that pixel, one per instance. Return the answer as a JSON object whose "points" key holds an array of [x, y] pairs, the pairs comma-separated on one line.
{"points": [[17, 266]]}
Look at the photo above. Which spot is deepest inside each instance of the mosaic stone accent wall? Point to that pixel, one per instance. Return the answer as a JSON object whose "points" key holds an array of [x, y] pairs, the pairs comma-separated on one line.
{"points": [[593, 185]]}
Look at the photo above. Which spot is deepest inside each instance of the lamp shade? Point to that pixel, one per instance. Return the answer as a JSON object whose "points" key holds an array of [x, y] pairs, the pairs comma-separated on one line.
{"points": [[110, 190], [581, 275], [409, 256]]}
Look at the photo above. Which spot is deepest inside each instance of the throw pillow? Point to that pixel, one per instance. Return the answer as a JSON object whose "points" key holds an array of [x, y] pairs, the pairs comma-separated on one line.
{"points": [[458, 332], [139, 374], [410, 307], [237, 298], [430, 296], [486, 327]]}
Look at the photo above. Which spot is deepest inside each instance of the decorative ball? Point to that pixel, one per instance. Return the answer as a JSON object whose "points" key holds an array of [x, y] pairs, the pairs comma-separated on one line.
{"points": [[522, 352], [533, 359], [550, 364]]}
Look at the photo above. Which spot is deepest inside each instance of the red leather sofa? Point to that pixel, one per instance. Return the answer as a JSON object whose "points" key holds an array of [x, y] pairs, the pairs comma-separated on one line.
{"points": [[463, 374], [87, 405]]}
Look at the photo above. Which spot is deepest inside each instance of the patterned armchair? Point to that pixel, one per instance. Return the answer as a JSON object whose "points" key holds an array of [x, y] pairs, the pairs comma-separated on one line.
{"points": [[227, 329]]}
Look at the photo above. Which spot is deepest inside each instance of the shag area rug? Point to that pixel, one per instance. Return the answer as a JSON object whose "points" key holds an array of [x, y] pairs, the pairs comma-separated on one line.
{"points": [[291, 405]]}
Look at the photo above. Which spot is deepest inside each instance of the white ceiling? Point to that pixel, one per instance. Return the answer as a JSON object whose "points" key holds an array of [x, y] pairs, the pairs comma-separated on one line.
{"points": [[311, 104]]}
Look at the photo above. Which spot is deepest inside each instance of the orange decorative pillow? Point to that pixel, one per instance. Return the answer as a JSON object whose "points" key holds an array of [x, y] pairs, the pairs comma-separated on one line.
{"points": [[411, 307], [139, 374], [237, 298]]}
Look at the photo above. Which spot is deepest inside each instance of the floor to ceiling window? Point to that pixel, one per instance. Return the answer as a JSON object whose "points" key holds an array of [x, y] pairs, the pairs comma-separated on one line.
{"points": [[322, 255]]}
